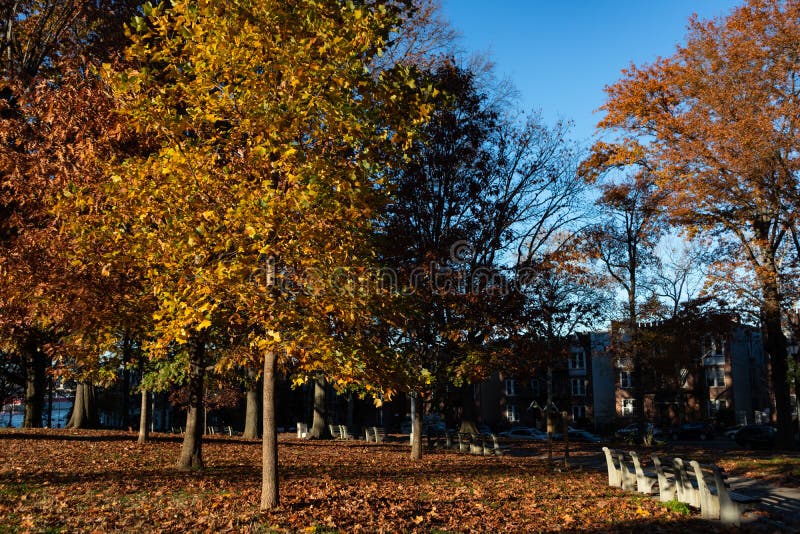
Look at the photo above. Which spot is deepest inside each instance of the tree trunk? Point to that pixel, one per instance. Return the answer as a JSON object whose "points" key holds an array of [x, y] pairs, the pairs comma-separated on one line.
{"points": [[416, 428], [350, 420], [468, 417], [636, 360], [251, 406], [565, 429], [191, 451], [49, 402], [84, 410], [269, 448], [548, 410], [775, 343], [126, 382], [318, 425], [144, 419], [34, 383]]}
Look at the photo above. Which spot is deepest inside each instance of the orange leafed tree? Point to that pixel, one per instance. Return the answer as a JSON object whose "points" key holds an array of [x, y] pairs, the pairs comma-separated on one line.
{"points": [[718, 125], [54, 120]]}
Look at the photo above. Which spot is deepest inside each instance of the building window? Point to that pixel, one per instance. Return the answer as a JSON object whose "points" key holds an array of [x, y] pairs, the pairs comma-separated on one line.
{"points": [[684, 378], [625, 380], [715, 377], [536, 388], [716, 405], [578, 412], [628, 407], [713, 350], [578, 386], [510, 387], [512, 416], [577, 359]]}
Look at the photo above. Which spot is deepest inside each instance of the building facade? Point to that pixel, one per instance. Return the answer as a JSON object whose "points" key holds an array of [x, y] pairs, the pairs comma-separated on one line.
{"points": [[717, 372]]}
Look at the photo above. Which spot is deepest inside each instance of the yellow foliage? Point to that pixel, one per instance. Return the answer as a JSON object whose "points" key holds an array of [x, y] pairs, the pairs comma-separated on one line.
{"points": [[254, 209]]}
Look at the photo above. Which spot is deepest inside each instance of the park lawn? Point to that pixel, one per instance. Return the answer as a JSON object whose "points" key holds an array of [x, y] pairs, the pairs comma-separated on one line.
{"points": [[67, 481], [776, 468]]}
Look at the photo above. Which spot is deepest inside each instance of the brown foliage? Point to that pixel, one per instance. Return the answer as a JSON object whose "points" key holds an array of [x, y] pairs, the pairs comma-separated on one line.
{"points": [[82, 481], [716, 126]]}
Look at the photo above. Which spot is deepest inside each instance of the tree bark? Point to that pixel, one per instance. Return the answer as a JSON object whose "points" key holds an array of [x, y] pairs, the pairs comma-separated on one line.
{"points": [[269, 449], [775, 344], [126, 382], [84, 410], [144, 419], [416, 429], [191, 451], [468, 418], [549, 412], [34, 383], [318, 423], [633, 333], [351, 408], [251, 406]]}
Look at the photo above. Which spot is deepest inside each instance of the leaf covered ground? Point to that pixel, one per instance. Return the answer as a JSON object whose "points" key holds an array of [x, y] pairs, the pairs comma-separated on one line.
{"points": [[67, 481]]}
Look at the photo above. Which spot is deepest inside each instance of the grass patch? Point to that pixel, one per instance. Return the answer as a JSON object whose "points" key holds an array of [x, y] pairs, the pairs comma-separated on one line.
{"points": [[677, 506], [16, 489]]}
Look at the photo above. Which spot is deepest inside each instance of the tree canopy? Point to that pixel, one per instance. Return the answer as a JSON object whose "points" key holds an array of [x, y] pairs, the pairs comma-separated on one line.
{"points": [[716, 126]]}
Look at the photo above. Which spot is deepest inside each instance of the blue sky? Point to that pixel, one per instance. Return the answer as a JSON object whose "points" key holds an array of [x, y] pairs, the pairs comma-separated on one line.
{"points": [[560, 54]]}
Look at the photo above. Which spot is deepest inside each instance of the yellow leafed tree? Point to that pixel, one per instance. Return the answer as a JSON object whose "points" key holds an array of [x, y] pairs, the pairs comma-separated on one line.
{"points": [[271, 127]]}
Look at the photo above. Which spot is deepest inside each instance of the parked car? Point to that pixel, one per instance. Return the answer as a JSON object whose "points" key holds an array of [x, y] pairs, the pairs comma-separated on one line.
{"points": [[484, 429], [701, 431], [752, 436], [731, 431], [634, 432], [430, 424], [584, 436], [524, 433]]}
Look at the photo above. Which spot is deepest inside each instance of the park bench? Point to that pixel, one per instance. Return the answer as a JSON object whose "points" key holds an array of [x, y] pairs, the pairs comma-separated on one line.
{"points": [[448, 439], [701, 486], [344, 432], [379, 434], [336, 432], [476, 445], [676, 481], [437, 439], [645, 480], [620, 474], [302, 430], [463, 442], [213, 430], [716, 499], [497, 449], [686, 487], [665, 472], [485, 445], [177, 430]]}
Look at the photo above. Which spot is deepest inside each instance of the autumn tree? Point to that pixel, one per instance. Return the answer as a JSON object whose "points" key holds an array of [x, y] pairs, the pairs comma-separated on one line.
{"points": [[254, 206], [478, 183], [716, 123], [51, 117], [563, 296], [623, 245]]}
